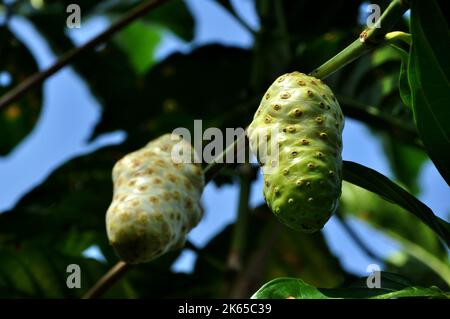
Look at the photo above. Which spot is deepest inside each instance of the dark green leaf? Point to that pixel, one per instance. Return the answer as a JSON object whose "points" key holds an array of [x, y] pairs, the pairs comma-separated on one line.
{"points": [[283, 288], [375, 182], [429, 79]]}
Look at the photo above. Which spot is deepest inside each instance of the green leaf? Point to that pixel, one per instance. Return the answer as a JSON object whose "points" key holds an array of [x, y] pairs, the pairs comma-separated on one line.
{"points": [[16, 64], [429, 79], [392, 287], [139, 41], [403, 85], [283, 288], [375, 182]]}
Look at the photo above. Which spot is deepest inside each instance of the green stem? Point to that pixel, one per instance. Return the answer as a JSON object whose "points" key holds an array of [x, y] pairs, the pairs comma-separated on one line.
{"points": [[368, 40], [240, 227]]}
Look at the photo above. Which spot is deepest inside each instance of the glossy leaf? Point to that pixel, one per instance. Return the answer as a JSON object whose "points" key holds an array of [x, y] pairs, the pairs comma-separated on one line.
{"points": [[293, 288], [429, 79]]}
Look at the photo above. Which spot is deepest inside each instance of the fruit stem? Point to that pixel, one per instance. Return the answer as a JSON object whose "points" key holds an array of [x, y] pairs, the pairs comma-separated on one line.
{"points": [[369, 39]]}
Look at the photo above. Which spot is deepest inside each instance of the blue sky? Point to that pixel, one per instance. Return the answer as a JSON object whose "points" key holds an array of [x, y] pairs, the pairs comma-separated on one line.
{"points": [[70, 112]]}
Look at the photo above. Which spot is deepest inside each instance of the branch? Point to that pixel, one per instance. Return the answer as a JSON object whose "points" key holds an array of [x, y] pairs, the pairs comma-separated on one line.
{"points": [[368, 40], [108, 280], [37, 78]]}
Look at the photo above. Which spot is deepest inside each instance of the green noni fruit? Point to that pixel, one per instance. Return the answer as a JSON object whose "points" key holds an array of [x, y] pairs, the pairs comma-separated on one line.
{"points": [[156, 200], [300, 115]]}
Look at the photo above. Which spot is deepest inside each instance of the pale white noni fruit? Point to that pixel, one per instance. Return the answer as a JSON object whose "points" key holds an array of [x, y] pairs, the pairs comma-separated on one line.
{"points": [[156, 199]]}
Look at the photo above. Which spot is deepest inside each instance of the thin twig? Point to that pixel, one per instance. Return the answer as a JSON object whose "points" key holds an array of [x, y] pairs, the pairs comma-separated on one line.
{"points": [[37, 78], [108, 280]]}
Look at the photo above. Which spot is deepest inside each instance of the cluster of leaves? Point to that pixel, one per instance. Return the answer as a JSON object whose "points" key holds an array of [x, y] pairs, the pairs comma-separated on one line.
{"points": [[55, 223]]}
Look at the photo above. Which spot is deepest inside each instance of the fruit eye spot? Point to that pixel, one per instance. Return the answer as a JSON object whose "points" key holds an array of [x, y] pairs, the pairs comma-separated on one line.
{"points": [[319, 120], [310, 93], [291, 129], [276, 107], [305, 141], [297, 112], [285, 95], [301, 83], [311, 166], [323, 135], [285, 171], [267, 96]]}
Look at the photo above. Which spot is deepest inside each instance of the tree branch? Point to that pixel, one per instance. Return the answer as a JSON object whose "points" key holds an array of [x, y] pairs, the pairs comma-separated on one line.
{"points": [[37, 78], [108, 280]]}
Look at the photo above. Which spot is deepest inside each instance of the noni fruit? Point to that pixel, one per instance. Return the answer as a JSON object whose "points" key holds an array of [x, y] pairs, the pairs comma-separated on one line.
{"points": [[156, 199], [300, 116]]}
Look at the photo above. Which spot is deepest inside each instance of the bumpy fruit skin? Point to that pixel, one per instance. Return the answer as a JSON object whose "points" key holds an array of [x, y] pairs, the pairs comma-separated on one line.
{"points": [[156, 201], [302, 187]]}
